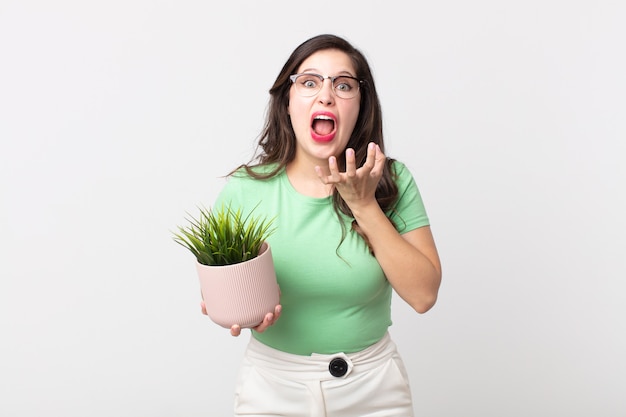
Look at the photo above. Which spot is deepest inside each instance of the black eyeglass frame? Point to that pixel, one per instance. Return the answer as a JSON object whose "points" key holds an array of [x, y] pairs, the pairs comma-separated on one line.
{"points": [[332, 79]]}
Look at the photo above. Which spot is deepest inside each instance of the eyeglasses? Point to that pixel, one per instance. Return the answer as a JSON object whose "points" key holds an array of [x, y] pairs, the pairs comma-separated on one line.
{"points": [[309, 84]]}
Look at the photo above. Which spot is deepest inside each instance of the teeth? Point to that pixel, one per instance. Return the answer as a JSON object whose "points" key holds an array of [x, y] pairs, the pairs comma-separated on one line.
{"points": [[320, 117]]}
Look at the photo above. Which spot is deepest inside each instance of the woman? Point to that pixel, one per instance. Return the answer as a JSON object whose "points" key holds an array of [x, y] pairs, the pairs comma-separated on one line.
{"points": [[350, 228]]}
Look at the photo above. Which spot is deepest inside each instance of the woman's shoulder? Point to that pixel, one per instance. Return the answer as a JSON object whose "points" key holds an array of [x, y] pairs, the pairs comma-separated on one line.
{"points": [[248, 183], [400, 171], [254, 175], [398, 166]]}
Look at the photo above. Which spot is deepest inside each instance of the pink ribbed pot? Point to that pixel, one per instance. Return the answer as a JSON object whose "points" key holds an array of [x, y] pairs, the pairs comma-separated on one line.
{"points": [[241, 293]]}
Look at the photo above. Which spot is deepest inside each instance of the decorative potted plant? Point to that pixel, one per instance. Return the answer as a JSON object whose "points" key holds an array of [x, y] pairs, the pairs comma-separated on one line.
{"points": [[234, 264]]}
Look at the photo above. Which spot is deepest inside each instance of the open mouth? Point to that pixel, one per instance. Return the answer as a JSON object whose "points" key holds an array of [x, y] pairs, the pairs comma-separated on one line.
{"points": [[323, 127]]}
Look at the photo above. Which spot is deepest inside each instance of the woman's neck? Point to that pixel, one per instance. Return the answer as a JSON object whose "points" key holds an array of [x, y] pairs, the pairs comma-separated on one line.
{"points": [[304, 180]]}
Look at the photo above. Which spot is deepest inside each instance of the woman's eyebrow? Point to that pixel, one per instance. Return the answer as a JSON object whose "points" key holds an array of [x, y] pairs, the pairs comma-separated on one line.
{"points": [[316, 71]]}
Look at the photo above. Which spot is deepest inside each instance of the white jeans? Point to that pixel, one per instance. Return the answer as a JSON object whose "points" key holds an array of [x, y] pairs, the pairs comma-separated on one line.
{"points": [[275, 383]]}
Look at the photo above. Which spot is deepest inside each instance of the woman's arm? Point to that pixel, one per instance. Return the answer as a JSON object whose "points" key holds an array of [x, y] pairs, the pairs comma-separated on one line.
{"points": [[410, 261]]}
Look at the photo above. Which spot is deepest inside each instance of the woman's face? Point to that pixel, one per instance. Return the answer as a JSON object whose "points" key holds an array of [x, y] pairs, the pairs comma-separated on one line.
{"points": [[323, 122]]}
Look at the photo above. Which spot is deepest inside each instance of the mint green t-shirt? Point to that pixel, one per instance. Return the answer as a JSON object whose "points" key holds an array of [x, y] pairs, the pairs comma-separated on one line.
{"points": [[335, 297]]}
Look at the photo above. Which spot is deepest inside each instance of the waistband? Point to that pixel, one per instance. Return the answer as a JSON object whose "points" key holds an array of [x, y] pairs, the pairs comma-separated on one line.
{"points": [[317, 366]]}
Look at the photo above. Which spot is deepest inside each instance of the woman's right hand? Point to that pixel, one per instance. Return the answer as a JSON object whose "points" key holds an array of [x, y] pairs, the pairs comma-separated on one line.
{"points": [[268, 320]]}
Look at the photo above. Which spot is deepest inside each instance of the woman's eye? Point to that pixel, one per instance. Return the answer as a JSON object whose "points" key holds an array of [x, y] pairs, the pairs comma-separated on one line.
{"points": [[345, 84]]}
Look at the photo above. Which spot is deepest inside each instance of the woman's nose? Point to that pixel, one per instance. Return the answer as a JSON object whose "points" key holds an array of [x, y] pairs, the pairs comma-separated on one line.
{"points": [[326, 95]]}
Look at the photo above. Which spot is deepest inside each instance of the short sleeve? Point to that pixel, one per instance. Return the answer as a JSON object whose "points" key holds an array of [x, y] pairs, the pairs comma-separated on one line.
{"points": [[409, 212], [235, 190], [229, 195]]}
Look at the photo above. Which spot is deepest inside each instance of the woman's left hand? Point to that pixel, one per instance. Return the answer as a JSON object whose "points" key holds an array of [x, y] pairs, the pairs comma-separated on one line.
{"points": [[356, 185], [268, 320]]}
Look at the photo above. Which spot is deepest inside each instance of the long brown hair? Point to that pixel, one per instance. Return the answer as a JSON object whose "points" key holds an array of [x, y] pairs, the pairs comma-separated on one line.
{"points": [[277, 142]]}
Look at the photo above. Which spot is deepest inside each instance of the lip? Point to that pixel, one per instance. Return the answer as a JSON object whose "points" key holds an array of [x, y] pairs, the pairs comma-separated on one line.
{"points": [[326, 115]]}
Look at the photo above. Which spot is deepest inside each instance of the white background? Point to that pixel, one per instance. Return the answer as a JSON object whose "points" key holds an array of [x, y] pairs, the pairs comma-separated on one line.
{"points": [[118, 117]]}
